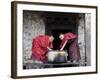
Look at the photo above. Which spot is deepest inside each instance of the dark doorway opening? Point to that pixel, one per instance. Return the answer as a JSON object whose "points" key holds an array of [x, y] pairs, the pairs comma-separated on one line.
{"points": [[57, 41], [56, 23]]}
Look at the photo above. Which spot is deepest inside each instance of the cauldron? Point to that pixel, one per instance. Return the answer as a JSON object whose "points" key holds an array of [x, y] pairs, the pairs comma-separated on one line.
{"points": [[57, 56]]}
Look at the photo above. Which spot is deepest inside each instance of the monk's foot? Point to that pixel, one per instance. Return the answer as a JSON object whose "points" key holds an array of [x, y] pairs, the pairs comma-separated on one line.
{"points": [[74, 61], [68, 61]]}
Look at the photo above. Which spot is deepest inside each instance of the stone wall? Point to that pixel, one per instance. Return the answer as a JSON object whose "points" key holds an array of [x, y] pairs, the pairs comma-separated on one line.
{"points": [[33, 25], [81, 37], [84, 38], [88, 38]]}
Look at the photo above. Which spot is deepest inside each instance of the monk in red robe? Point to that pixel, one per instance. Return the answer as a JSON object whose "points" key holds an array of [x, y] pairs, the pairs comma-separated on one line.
{"points": [[40, 45], [70, 40]]}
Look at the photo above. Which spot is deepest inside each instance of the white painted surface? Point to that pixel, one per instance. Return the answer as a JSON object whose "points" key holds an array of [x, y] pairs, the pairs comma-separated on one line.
{"points": [[5, 41]]}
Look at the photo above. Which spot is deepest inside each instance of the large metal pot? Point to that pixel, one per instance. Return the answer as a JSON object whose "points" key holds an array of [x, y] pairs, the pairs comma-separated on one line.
{"points": [[57, 56]]}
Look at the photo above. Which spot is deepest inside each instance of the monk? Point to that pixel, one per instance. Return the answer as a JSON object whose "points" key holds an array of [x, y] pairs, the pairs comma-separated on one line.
{"points": [[70, 41], [40, 46]]}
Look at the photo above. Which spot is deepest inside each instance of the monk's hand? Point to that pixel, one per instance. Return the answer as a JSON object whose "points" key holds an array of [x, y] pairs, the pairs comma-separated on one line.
{"points": [[49, 48]]}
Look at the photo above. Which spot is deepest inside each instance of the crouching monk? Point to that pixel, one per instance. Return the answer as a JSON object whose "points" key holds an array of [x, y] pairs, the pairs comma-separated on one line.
{"points": [[40, 45], [70, 41]]}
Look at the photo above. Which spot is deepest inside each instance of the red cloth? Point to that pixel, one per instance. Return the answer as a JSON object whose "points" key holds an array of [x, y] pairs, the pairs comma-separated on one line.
{"points": [[73, 47], [67, 37], [73, 50], [39, 47]]}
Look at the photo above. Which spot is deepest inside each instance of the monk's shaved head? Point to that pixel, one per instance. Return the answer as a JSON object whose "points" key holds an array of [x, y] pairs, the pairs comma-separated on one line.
{"points": [[51, 38], [61, 36]]}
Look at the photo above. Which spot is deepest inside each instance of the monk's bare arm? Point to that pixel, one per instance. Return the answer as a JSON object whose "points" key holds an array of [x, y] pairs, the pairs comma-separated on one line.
{"points": [[49, 48]]}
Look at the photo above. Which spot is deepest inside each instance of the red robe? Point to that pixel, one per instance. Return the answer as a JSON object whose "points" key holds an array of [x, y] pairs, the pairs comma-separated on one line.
{"points": [[73, 47], [39, 47]]}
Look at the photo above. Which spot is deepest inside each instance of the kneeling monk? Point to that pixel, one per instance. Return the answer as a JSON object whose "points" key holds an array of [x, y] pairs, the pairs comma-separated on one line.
{"points": [[70, 40], [40, 45]]}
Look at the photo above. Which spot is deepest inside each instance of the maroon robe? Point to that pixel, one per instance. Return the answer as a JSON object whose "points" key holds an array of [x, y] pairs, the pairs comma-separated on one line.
{"points": [[39, 47], [73, 47]]}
